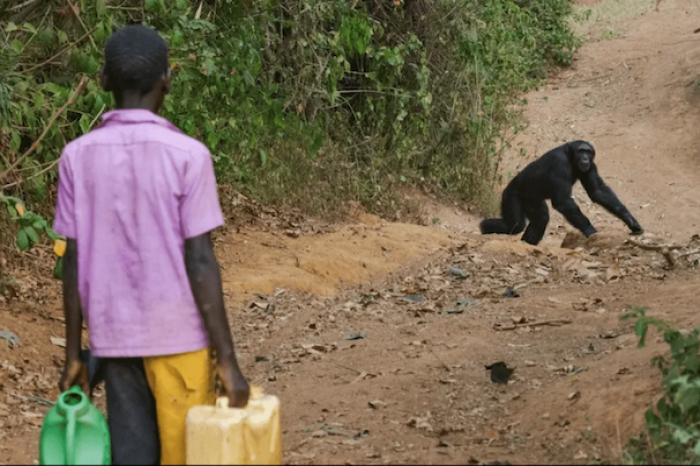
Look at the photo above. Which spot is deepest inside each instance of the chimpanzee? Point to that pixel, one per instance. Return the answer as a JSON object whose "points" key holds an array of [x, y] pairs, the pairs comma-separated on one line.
{"points": [[552, 176]]}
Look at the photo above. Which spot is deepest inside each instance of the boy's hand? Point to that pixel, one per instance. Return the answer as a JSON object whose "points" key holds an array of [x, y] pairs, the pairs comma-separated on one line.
{"points": [[235, 385], [74, 373]]}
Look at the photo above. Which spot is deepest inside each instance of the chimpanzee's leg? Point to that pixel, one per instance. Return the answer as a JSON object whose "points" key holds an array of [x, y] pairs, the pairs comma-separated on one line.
{"points": [[537, 214], [513, 217]]}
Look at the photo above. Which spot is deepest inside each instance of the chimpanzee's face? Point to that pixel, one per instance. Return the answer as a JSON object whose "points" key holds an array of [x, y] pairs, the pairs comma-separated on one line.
{"points": [[584, 158], [583, 155]]}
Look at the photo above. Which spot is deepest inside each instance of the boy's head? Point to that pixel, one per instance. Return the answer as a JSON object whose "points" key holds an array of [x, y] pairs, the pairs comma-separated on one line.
{"points": [[136, 68]]}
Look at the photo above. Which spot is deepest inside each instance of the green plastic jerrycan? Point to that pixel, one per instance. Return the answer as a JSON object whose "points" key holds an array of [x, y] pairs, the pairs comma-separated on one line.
{"points": [[74, 432]]}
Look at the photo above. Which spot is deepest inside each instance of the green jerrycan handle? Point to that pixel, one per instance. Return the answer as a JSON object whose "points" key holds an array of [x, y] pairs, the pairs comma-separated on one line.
{"points": [[69, 402]]}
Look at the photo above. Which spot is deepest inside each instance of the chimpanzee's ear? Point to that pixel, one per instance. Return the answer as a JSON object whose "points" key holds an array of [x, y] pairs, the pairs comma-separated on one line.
{"points": [[568, 148]]}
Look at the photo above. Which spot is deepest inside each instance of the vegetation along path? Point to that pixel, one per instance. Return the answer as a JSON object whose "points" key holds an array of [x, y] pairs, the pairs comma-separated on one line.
{"points": [[429, 300]]}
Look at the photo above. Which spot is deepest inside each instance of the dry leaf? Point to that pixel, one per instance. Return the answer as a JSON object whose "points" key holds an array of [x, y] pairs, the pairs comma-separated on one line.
{"points": [[59, 247], [420, 423], [613, 272], [57, 341], [447, 381], [361, 377], [571, 263]]}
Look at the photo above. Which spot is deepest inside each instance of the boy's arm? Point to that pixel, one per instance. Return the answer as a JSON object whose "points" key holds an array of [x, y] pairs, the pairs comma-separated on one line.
{"points": [[205, 280], [74, 372]]}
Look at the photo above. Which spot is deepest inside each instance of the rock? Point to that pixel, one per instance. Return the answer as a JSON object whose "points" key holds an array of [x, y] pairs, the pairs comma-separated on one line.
{"points": [[377, 404]]}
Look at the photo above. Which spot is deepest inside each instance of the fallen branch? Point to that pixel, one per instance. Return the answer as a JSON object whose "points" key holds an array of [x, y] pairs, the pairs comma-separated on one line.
{"points": [[361, 377], [653, 247], [51, 165], [669, 257], [553, 323], [665, 251], [445, 366], [21, 5], [52, 120], [692, 252], [76, 11], [35, 175], [61, 52], [346, 368]]}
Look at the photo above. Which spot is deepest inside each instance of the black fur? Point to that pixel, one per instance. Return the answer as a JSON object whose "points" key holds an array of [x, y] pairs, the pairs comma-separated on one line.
{"points": [[552, 176]]}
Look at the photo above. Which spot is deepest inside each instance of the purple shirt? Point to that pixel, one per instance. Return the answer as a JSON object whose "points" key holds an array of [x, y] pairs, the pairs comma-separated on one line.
{"points": [[130, 192]]}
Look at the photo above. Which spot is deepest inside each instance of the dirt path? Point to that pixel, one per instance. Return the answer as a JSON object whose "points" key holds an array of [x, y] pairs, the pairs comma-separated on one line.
{"points": [[430, 299], [635, 97]]}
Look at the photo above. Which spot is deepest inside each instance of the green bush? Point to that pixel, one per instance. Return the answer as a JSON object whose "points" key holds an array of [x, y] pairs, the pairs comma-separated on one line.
{"points": [[673, 425], [304, 102]]}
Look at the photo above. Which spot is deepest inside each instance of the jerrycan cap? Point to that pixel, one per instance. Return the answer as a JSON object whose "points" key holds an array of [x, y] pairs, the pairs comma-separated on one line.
{"points": [[255, 394], [73, 399]]}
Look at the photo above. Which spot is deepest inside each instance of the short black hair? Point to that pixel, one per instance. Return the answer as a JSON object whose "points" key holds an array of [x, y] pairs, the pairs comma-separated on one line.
{"points": [[136, 57]]}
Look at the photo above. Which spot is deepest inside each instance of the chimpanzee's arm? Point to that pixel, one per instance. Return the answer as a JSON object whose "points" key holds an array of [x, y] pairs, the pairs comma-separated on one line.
{"points": [[563, 203], [601, 194]]}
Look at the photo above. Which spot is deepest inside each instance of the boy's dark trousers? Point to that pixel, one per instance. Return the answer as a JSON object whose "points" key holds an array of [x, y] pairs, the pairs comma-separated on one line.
{"points": [[131, 408]]}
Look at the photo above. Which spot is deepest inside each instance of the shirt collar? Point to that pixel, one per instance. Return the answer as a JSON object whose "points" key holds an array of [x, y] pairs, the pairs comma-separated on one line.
{"points": [[134, 116]]}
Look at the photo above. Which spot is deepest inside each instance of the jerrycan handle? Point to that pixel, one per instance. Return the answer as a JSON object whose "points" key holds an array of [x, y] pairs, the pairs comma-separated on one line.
{"points": [[70, 427], [70, 439], [222, 402], [256, 392]]}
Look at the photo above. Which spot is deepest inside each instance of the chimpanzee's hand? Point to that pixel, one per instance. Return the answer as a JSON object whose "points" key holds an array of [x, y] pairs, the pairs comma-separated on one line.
{"points": [[634, 226], [590, 231]]}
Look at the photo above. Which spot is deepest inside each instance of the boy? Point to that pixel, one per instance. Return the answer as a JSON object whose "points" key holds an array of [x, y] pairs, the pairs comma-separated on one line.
{"points": [[136, 202]]}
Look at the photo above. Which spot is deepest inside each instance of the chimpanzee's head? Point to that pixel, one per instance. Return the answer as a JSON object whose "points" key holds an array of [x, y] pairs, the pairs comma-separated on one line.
{"points": [[581, 155]]}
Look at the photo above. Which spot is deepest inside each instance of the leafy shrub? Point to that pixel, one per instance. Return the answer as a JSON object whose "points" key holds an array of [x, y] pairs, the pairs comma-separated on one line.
{"points": [[30, 228], [674, 423], [305, 102]]}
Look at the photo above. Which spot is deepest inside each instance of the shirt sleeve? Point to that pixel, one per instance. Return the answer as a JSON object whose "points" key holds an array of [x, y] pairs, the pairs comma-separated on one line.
{"points": [[64, 222], [200, 211]]}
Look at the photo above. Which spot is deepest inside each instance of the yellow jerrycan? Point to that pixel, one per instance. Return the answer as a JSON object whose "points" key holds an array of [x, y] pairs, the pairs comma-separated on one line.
{"points": [[222, 435]]}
